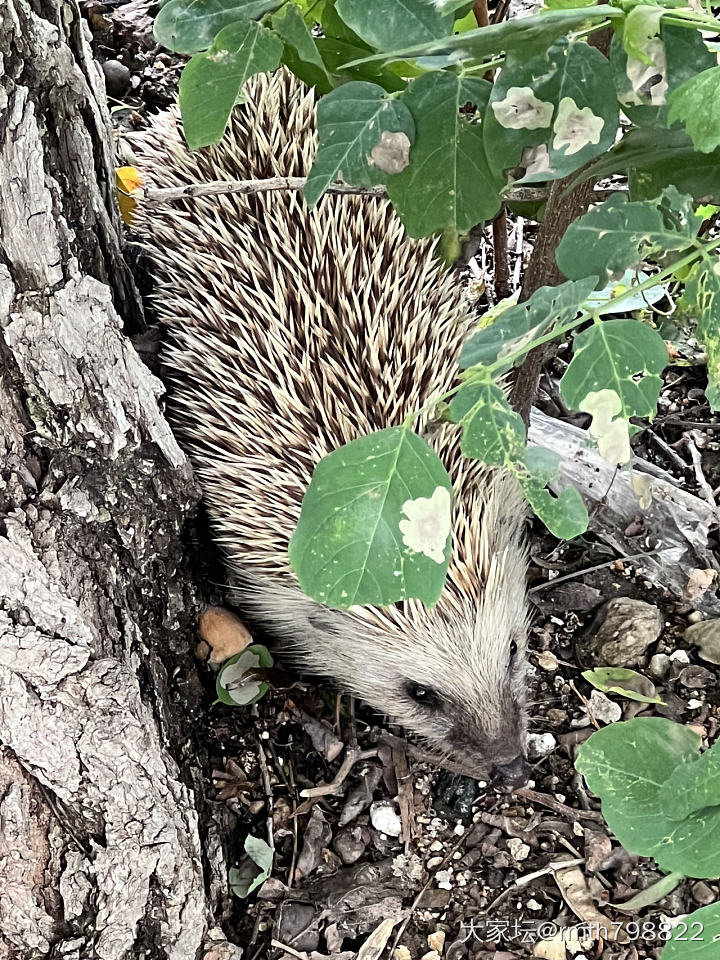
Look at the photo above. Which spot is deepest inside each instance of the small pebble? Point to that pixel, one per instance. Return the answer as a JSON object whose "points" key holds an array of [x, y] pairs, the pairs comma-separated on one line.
{"points": [[436, 941], [680, 656], [603, 708], [443, 876], [694, 704], [402, 953], [518, 849], [384, 818], [434, 862], [117, 78], [435, 846], [660, 665], [534, 905], [695, 616], [702, 893], [431, 955], [540, 745]]}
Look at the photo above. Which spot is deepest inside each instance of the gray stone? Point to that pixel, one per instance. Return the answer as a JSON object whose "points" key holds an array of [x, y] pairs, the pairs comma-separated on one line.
{"points": [[627, 628]]}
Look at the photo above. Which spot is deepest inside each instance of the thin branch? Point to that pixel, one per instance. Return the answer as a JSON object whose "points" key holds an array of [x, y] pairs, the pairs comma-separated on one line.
{"points": [[153, 196]]}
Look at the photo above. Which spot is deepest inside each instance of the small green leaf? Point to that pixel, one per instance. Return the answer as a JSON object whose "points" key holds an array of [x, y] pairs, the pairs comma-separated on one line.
{"points": [[697, 104], [619, 234], [652, 894], [527, 34], [354, 121], [375, 523], [626, 356], [253, 869], [517, 326], [386, 25], [696, 937], [448, 185], [240, 681], [703, 292], [187, 26], [301, 53], [492, 431], [603, 299], [211, 83], [564, 514], [620, 680]]}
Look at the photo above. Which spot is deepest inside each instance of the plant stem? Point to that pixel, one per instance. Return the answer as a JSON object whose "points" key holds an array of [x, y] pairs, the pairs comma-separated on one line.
{"points": [[700, 250]]}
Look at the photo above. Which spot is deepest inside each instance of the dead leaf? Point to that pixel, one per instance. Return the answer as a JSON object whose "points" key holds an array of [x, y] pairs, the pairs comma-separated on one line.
{"points": [[377, 941], [391, 153], [317, 837], [551, 949], [224, 634], [321, 736], [698, 582], [127, 181], [574, 889]]}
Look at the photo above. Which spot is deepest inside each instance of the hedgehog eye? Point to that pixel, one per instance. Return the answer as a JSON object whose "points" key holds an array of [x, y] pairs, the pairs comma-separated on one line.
{"points": [[513, 649], [425, 696]]}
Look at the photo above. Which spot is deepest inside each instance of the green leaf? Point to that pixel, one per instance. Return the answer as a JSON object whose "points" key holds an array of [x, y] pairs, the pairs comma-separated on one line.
{"points": [[602, 300], [652, 894], [354, 122], [620, 680], [492, 431], [626, 356], [703, 292], [187, 26], [626, 765], [528, 33], [642, 24], [517, 326], [653, 159], [696, 937], [212, 82], [301, 54], [253, 869], [240, 681], [375, 523], [697, 104], [692, 789], [552, 113], [448, 185], [563, 513], [619, 234], [385, 25]]}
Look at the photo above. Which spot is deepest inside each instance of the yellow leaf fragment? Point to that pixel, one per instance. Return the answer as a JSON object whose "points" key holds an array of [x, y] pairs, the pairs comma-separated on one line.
{"points": [[127, 181]]}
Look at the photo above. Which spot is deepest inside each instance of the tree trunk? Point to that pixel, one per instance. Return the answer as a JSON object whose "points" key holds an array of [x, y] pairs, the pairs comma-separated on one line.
{"points": [[100, 846]]}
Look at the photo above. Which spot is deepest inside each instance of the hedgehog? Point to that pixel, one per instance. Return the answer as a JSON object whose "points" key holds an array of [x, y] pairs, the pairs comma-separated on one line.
{"points": [[291, 331]]}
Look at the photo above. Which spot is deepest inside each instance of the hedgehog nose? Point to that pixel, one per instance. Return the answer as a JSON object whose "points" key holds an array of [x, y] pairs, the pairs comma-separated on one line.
{"points": [[513, 774]]}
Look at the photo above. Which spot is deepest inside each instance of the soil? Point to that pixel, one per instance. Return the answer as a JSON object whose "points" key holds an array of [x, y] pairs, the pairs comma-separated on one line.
{"points": [[470, 874]]}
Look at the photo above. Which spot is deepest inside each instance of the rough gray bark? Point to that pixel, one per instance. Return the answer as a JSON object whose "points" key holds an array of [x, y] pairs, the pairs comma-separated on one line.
{"points": [[100, 850]]}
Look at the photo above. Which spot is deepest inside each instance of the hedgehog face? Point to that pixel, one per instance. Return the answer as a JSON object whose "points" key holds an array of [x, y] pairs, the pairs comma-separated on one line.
{"points": [[456, 682]]}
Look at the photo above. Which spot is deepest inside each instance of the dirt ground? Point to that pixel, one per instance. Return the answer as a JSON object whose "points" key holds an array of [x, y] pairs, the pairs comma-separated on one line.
{"points": [[455, 868]]}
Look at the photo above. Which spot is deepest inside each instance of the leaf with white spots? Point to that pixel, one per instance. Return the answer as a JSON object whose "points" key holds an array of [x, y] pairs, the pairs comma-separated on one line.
{"points": [[448, 185], [612, 436], [212, 82], [353, 121], [375, 523], [241, 680], [187, 26], [552, 112], [624, 356]]}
